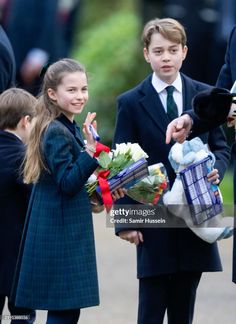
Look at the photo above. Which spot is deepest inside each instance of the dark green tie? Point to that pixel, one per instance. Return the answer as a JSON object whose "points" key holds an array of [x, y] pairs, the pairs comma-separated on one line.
{"points": [[172, 110]]}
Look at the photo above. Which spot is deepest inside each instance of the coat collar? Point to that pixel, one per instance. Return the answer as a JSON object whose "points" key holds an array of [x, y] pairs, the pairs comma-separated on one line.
{"points": [[10, 136], [152, 105], [192, 90], [73, 128]]}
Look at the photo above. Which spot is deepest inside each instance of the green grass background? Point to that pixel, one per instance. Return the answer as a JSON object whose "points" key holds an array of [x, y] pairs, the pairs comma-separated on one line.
{"points": [[226, 188]]}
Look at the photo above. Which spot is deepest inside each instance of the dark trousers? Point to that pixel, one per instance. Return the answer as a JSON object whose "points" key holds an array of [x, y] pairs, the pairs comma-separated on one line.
{"points": [[63, 317], [174, 293], [17, 311]]}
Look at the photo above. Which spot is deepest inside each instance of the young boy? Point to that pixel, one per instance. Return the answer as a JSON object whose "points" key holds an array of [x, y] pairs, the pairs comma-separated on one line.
{"points": [[17, 114], [170, 261]]}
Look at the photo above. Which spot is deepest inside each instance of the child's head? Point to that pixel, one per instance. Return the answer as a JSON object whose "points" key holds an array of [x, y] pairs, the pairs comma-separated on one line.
{"points": [[17, 109], [65, 88], [164, 47], [169, 28]]}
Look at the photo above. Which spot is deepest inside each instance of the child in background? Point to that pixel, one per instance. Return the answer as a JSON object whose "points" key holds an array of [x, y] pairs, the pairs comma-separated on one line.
{"points": [[57, 265], [17, 114]]}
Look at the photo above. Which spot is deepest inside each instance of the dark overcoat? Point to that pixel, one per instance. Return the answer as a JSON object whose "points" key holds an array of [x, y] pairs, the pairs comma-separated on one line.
{"points": [[142, 119], [7, 62], [40, 30], [57, 263], [33, 25], [226, 80], [14, 198]]}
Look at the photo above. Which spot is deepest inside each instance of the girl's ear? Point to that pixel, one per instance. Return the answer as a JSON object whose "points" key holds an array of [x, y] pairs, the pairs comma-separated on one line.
{"points": [[51, 94]]}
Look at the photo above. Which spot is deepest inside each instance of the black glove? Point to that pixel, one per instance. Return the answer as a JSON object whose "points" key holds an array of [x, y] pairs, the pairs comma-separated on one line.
{"points": [[213, 104]]}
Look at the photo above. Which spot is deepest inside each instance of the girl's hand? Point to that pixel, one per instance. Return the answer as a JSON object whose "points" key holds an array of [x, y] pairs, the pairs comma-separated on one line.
{"points": [[88, 121], [91, 143], [213, 177]]}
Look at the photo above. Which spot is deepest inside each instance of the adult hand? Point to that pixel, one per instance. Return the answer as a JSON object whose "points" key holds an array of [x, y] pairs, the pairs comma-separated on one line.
{"points": [[135, 237], [179, 129], [32, 65], [30, 71]]}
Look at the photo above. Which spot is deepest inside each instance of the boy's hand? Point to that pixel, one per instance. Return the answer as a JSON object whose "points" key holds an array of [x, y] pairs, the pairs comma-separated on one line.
{"points": [[213, 177], [179, 129], [118, 194], [135, 237]]}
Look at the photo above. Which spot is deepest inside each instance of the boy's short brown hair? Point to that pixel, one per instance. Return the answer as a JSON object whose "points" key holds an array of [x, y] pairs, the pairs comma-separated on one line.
{"points": [[15, 103], [169, 28]]}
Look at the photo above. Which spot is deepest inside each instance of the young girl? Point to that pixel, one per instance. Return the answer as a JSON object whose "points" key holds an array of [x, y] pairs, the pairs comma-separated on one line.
{"points": [[57, 264]]}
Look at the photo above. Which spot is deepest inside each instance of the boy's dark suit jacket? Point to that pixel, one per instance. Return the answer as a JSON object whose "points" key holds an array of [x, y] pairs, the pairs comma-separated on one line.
{"points": [[14, 197], [226, 79], [141, 118], [7, 62]]}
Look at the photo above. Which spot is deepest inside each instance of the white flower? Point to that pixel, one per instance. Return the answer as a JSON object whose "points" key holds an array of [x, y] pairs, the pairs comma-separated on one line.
{"points": [[122, 148], [92, 178], [133, 148], [137, 153]]}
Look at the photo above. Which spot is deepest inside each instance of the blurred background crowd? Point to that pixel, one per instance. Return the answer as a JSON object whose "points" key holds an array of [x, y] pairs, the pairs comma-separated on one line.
{"points": [[105, 37]]}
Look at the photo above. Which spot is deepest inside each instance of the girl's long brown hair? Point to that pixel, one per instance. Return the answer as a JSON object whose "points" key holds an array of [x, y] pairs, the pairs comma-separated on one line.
{"points": [[47, 111]]}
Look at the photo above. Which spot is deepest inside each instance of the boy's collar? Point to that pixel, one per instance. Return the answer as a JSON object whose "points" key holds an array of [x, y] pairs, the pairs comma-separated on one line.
{"points": [[12, 132], [160, 85]]}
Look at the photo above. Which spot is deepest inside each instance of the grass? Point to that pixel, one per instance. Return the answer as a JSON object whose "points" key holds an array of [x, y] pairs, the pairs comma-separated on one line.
{"points": [[226, 188]]}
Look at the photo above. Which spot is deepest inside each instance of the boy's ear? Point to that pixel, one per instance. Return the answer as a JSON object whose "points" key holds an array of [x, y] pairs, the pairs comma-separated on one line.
{"points": [[185, 51], [25, 120], [145, 54]]}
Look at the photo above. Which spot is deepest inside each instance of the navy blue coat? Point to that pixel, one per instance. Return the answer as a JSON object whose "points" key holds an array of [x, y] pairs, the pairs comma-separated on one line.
{"points": [[226, 79], [227, 74], [33, 24], [57, 263], [141, 118], [14, 197], [7, 62], [39, 30]]}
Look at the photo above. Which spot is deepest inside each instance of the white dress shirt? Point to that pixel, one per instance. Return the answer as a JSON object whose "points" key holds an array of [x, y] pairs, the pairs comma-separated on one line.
{"points": [[160, 87]]}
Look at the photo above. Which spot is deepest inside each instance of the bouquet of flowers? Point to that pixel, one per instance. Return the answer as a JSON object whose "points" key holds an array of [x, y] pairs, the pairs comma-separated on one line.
{"points": [[150, 189], [124, 167]]}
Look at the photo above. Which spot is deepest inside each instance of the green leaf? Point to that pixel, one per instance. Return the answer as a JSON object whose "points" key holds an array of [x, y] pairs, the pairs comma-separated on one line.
{"points": [[118, 161], [104, 160]]}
